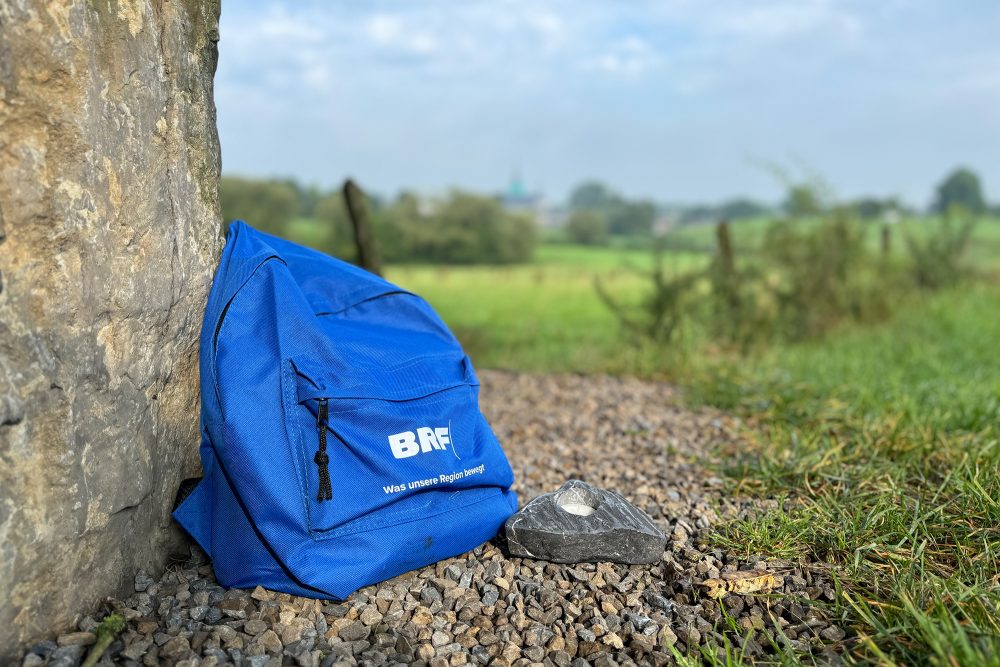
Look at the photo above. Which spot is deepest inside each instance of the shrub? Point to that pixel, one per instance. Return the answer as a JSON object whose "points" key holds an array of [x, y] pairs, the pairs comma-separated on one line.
{"points": [[587, 228], [821, 276], [267, 205], [337, 234], [805, 280], [662, 310], [936, 259], [464, 229]]}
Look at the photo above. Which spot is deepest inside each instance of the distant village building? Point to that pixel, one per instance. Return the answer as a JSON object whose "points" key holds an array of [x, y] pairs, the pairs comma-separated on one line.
{"points": [[517, 199]]}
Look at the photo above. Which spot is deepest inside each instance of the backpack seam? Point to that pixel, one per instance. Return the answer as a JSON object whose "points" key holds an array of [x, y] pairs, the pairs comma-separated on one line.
{"points": [[492, 491]]}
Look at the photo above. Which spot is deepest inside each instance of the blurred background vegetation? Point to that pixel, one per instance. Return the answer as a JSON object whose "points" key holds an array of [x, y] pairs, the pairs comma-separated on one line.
{"points": [[609, 283]]}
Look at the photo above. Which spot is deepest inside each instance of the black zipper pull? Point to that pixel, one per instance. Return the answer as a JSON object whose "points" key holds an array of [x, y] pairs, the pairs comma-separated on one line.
{"points": [[322, 459]]}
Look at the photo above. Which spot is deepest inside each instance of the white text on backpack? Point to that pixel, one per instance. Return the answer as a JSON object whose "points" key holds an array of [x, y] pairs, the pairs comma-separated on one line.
{"points": [[425, 439]]}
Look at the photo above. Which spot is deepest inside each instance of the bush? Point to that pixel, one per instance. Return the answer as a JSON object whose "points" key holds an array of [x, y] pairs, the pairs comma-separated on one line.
{"points": [[464, 229], [337, 234], [632, 218], [936, 260], [960, 188], [822, 276], [267, 205], [587, 228], [736, 313], [623, 217], [660, 314], [805, 280]]}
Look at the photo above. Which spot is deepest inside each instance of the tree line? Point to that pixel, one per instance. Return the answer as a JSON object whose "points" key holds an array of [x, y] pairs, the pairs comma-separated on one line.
{"points": [[460, 228], [468, 228], [597, 213]]}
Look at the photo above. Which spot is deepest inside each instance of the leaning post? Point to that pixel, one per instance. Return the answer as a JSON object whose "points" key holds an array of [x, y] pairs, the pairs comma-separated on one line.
{"points": [[725, 244], [364, 239]]}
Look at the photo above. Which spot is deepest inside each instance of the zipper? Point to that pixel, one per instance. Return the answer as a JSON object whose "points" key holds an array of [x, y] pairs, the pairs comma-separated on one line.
{"points": [[322, 459]]}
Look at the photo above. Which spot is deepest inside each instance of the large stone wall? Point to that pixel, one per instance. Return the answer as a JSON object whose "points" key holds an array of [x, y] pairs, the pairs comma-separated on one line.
{"points": [[109, 232]]}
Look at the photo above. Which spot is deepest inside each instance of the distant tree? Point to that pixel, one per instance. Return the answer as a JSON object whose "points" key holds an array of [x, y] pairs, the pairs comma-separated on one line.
{"points": [[624, 217], [267, 205], [587, 228], [477, 229], [699, 213], [961, 188], [632, 218], [331, 216], [803, 200], [592, 196], [741, 209], [308, 196], [463, 229], [872, 208]]}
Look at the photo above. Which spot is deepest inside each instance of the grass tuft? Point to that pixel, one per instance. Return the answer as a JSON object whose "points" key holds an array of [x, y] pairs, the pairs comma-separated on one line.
{"points": [[883, 446]]}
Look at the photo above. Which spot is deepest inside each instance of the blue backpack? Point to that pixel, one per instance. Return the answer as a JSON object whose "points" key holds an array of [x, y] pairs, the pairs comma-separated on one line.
{"points": [[342, 442]]}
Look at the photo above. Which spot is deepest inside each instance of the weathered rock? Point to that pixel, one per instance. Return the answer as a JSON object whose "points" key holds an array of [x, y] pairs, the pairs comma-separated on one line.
{"points": [[109, 230], [582, 523]]}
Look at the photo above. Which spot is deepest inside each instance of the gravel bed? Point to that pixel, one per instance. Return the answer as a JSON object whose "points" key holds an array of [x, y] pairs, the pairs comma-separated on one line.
{"points": [[483, 608]]}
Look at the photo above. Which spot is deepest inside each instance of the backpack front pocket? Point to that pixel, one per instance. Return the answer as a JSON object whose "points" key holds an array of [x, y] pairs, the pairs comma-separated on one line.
{"points": [[418, 448]]}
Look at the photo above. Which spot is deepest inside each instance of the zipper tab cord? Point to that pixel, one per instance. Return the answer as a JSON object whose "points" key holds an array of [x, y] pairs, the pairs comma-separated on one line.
{"points": [[322, 459]]}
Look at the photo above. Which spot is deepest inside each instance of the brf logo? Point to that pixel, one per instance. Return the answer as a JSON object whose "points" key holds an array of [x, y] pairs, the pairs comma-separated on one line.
{"points": [[425, 439]]}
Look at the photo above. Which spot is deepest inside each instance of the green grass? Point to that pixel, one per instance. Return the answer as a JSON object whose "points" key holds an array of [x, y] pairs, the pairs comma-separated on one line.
{"points": [[545, 316], [884, 444], [747, 236]]}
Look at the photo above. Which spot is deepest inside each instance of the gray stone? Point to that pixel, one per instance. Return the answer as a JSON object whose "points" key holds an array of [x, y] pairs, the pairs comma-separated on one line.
{"points": [[429, 595], [44, 648], [582, 523], [143, 581], [109, 234], [354, 632], [66, 656]]}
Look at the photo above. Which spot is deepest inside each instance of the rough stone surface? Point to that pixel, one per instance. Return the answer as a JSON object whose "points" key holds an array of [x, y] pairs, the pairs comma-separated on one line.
{"points": [[109, 233], [582, 523], [489, 608]]}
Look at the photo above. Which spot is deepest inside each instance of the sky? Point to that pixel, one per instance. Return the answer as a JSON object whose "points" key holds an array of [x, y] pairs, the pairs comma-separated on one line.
{"points": [[681, 101]]}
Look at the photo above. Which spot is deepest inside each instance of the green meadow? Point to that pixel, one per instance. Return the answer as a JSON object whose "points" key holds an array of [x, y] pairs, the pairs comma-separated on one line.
{"points": [[546, 316], [880, 441]]}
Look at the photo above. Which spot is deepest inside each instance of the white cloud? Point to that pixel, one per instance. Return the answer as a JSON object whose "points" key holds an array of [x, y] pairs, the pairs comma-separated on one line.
{"points": [[630, 57], [392, 32], [404, 89], [773, 21]]}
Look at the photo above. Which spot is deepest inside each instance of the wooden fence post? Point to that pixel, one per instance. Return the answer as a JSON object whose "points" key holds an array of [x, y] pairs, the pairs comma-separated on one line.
{"points": [[725, 244], [886, 240], [364, 239], [726, 279]]}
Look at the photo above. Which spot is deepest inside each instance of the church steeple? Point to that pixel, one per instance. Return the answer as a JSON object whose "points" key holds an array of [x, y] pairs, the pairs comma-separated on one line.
{"points": [[515, 188]]}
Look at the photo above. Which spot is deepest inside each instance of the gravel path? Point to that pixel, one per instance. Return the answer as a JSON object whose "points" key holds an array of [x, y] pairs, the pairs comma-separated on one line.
{"points": [[483, 608]]}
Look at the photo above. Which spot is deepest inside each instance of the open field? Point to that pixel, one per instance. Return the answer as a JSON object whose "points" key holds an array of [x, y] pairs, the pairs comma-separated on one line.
{"points": [[749, 234], [880, 444], [546, 315]]}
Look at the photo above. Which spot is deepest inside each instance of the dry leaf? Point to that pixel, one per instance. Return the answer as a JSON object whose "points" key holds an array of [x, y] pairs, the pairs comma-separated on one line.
{"points": [[741, 583]]}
